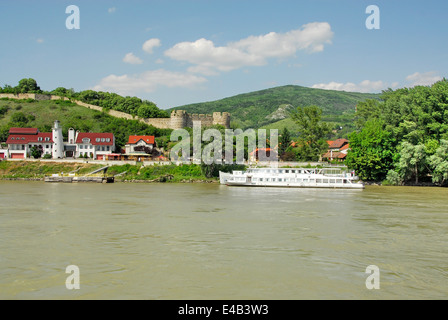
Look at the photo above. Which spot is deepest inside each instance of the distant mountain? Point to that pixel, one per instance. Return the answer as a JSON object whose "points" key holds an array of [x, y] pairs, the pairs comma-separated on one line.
{"points": [[265, 107]]}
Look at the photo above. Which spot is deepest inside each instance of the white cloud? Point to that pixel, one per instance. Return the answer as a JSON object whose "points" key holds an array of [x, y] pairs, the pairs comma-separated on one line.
{"points": [[365, 86], [150, 44], [147, 81], [252, 51], [40, 40], [112, 10], [423, 79], [132, 59]]}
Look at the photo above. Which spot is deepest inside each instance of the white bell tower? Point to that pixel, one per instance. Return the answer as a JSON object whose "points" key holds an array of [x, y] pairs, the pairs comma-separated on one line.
{"points": [[58, 141]]}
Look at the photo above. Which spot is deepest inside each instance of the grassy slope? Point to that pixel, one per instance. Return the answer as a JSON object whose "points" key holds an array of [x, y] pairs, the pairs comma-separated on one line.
{"points": [[253, 109]]}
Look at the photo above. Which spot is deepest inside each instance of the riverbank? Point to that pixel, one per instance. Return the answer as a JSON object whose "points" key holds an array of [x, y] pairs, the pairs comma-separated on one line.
{"points": [[37, 170]]}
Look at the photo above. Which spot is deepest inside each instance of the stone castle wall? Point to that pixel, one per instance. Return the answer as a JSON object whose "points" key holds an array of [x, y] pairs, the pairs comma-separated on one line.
{"points": [[179, 118]]}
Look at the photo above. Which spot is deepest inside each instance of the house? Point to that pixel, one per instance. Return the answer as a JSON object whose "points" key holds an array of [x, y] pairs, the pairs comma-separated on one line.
{"points": [[337, 150], [140, 144], [21, 140], [93, 145]]}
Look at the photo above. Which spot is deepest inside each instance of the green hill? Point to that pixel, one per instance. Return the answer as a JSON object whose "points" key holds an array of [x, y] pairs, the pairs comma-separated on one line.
{"points": [[261, 108], [42, 114]]}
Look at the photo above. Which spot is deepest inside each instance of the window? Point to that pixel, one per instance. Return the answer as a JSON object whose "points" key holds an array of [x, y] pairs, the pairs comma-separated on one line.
{"points": [[103, 140], [47, 139], [107, 148], [107, 139], [39, 139], [97, 139]]}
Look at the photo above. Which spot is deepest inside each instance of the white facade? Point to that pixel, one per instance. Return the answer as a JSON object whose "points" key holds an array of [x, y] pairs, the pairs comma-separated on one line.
{"points": [[58, 141]]}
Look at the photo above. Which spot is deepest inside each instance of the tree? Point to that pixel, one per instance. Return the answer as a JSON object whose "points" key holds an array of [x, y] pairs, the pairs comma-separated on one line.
{"points": [[312, 132], [412, 161], [18, 119], [439, 164], [367, 110], [28, 85], [371, 152], [285, 140], [36, 152]]}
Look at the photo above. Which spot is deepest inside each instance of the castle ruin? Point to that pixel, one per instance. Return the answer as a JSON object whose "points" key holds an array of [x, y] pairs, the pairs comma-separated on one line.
{"points": [[181, 119]]}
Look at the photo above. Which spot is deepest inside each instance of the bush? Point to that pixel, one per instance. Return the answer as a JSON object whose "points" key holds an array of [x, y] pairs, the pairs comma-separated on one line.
{"points": [[393, 178]]}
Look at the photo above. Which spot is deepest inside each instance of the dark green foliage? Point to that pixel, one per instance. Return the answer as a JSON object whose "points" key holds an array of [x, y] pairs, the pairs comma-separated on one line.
{"points": [[36, 152], [312, 132], [285, 140], [372, 151], [25, 86], [400, 133], [131, 105], [18, 119], [28, 86]]}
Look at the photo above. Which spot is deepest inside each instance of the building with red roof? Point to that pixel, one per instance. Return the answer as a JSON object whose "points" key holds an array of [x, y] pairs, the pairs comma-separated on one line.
{"points": [[21, 140], [337, 150], [142, 145], [93, 145]]}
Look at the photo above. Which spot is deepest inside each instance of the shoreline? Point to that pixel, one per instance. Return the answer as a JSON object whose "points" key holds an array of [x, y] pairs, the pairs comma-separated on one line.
{"points": [[130, 173]]}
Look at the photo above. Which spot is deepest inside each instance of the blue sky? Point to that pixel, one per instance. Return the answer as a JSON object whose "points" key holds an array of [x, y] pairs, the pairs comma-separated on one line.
{"points": [[175, 52]]}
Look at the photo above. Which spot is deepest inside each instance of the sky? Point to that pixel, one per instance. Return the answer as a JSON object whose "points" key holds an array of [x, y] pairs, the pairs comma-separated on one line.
{"points": [[177, 52]]}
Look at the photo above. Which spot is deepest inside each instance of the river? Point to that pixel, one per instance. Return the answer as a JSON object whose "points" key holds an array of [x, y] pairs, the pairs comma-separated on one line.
{"points": [[207, 241]]}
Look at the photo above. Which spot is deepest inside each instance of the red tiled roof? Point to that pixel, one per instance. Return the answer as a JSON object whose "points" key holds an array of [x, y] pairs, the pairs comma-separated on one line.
{"points": [[334, 155], [29, 138], [94, 136], [136, 139], [338, 143], [23, 131], [345, 147]]}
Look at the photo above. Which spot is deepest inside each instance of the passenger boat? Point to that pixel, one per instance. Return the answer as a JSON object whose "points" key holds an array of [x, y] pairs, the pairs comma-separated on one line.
{"points": [[292, 178]]}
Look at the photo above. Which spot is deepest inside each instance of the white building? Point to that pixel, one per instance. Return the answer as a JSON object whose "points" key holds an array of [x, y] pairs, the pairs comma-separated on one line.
{"points": [[22, 140], [93, 145]]}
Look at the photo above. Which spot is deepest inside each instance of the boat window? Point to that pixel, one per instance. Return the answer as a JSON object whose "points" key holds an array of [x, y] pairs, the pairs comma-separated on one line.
{"points": [[332, 181], [319, 180], [312, 181], [305, 180], [339, 181], [261, 179], [325, 180]]}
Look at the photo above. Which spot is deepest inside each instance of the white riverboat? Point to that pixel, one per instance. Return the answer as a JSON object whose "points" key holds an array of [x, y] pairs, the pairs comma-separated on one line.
{"points": [[292, 178]]}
